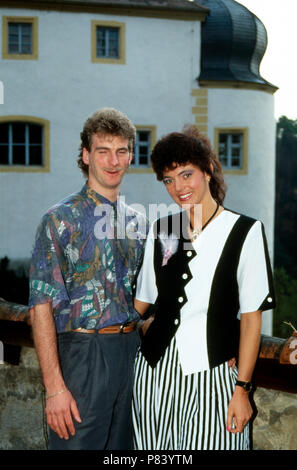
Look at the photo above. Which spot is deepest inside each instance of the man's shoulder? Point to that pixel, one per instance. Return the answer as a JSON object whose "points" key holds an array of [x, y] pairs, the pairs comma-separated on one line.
{"points": [[131, 212], [136, 220], [65, 207]]}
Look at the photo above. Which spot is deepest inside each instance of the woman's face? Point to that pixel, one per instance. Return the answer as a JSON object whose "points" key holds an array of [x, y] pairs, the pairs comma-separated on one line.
{"points": [[187, 184]]}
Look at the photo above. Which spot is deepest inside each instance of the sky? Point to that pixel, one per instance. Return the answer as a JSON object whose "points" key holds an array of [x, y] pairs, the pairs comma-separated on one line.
{"points": [[279, 64]]}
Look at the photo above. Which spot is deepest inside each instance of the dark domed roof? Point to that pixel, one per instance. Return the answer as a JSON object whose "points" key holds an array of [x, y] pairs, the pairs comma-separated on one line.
{"points": [[233, 43]]}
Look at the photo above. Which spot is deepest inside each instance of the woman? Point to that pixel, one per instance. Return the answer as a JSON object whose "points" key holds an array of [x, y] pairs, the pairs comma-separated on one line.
{"points": [[208, 275]]}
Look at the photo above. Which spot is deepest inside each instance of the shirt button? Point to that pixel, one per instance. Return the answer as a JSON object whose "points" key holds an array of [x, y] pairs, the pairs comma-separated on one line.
{"points": [[189, 254], [176, 321], [269, 299], [185, 276], [180, 299]]}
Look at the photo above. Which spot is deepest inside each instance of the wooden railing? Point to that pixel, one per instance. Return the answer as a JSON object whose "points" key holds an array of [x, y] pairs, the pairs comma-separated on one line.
{"points": [[276, 366]]}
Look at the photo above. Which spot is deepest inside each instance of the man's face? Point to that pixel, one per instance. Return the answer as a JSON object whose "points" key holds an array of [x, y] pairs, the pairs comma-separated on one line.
{"points": [[108, 160]]}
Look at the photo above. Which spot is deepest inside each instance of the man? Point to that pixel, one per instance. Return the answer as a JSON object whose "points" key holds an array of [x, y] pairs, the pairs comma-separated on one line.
{"points": [[87, 252]]}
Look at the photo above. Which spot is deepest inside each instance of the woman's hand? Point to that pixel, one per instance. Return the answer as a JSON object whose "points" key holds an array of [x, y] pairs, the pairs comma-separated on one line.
{"points": [[239, 411], [232, 363]]}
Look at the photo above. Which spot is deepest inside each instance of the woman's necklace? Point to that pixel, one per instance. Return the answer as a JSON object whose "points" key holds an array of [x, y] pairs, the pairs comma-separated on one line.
{"points": [[196, 232]]}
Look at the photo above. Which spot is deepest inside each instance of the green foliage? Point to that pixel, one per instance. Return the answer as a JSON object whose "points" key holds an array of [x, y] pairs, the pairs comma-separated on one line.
{"points": [[285, 253], [286, 196], [14, 284], [286, 298]]}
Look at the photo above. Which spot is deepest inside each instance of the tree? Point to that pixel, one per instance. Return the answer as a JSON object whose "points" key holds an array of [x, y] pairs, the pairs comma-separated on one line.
{"points": [[286, 307], [14, 284], [285, 255], [285, 252]]}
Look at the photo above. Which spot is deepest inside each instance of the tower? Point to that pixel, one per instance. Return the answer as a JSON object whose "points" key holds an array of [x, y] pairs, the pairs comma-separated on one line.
{"points": [[234, 105]]}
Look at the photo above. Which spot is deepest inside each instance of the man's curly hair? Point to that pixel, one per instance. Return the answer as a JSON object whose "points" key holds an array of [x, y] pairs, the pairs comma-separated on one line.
{"points": [[105, 121], [189, 146]]}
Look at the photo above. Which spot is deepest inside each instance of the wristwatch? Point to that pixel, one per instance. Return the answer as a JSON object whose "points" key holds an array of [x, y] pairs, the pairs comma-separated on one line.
{"points": [[247, 386]]}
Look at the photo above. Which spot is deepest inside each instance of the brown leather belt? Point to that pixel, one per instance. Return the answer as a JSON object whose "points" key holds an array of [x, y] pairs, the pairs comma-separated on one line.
{"points": [[109, 330]]}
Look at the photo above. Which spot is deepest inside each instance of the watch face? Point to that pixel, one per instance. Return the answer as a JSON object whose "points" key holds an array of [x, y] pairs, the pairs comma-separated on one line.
{"points": [[248, 387]]}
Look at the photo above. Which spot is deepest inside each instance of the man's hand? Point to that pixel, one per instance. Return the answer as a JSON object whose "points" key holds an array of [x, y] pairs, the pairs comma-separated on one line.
{"points": [[146, 324], [239, 411], [60, 411], [61, 407]]}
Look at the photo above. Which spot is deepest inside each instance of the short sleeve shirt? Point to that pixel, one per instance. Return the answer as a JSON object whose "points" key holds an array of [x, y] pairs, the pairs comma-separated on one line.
{"points": [[85, 259], [252, 279]]}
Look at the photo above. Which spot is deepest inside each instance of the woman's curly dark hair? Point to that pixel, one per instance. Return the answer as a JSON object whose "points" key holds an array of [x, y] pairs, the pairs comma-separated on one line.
{"points": [[189, 146]]}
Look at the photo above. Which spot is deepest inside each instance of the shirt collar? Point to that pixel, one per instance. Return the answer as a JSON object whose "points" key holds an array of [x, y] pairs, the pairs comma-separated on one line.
{"points": [[95, 197]]}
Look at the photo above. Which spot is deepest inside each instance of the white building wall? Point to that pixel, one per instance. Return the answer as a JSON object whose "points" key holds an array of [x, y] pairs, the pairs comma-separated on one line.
{"points": [[154, 87], [65, 87]]}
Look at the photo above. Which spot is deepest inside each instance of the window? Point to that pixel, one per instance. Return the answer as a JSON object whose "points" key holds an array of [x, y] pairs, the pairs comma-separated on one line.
{"points": [[144, 143], [20, 38], [108, 42], [231, 149], [23, 145], [142, 148]]}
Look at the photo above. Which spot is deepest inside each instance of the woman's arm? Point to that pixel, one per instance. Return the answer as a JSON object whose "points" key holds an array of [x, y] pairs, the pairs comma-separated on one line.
{"points": [[240, 410]]}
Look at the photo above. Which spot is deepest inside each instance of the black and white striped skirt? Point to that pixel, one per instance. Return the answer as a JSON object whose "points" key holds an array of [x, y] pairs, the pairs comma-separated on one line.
{"points": [[172, 411]]}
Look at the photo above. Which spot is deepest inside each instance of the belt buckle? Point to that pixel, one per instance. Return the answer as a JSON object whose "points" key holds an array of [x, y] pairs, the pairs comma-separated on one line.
{"points": [[123, 325]]}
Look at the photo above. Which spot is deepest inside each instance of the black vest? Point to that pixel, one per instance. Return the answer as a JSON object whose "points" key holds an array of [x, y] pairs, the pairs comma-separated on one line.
{"points": [[222, 323]]}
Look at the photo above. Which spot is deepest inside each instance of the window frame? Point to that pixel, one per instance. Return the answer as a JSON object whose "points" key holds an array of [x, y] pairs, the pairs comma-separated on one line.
{"points": [[121, 60], [33, 20], [153, 139], [45, 168], [244, 131]]}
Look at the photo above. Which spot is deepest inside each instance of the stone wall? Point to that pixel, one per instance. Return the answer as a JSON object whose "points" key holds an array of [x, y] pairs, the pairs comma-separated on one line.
{"points": [[275, 427], [21, 405], [22, 420]]}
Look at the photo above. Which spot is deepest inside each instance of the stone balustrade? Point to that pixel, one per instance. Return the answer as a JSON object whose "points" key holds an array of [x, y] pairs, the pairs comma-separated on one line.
{"points": [[22, 419]]}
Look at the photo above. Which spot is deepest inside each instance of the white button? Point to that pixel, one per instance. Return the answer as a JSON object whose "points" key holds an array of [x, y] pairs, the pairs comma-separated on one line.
{"points": [[269, 299], [176, 321], [185, 276], [180, 299], [189, 254]]}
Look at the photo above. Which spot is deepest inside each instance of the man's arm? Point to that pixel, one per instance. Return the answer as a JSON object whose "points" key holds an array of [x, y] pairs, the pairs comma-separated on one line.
{"points": [[141, 308], [60, 405]]}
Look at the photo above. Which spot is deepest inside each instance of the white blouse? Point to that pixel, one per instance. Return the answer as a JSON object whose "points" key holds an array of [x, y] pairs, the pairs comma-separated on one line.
{"points": [[252, 281]]}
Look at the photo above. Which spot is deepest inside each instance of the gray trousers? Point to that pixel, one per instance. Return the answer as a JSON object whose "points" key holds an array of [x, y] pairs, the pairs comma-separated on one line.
{"points": [[99, 372]]}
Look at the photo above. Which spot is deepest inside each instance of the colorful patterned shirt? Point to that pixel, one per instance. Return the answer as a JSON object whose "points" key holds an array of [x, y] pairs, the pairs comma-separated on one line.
{"points": [[85, 260]]}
